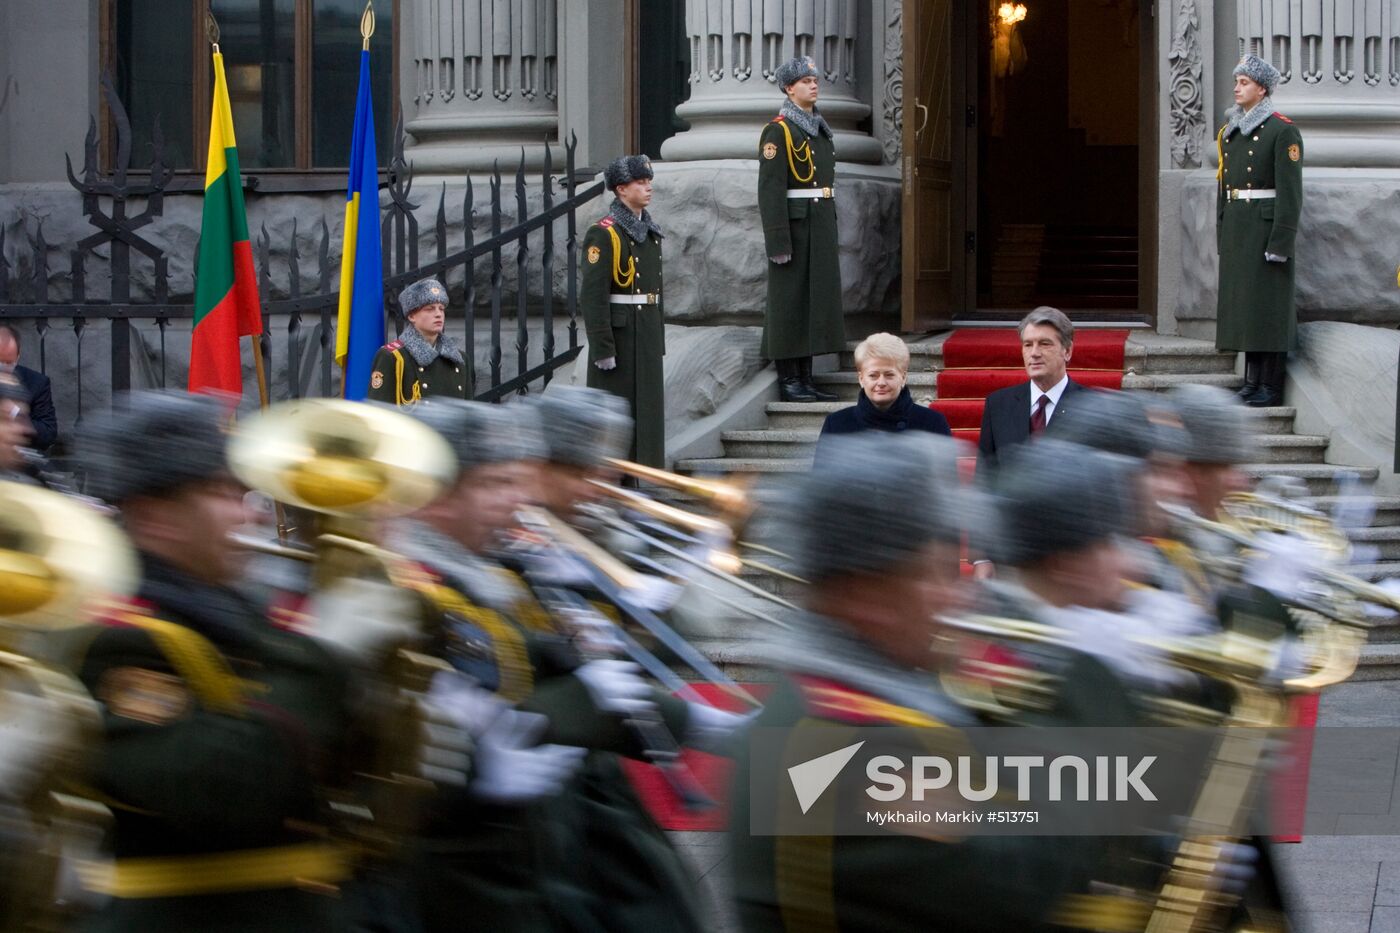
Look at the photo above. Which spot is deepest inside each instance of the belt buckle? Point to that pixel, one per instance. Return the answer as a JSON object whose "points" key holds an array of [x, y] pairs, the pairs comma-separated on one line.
{"points": [[1234, 194], [651, 298], [826, 192]]}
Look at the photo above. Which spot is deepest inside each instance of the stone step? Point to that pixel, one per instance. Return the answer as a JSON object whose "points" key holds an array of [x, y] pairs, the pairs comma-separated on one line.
{"points": [[790, 443], [1274, 420], [1378, 662], [721, 465], [1377, 544], [1320, 478], [1292, 448], [808, 416], [925, 385], [801, 416], [1375, 572], [1167, 356], [1385, 509], [774, 442]]}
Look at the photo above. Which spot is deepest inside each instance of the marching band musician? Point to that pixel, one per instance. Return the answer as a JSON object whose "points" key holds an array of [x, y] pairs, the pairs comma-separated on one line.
{"points": [[220, 730], [571, 857]]}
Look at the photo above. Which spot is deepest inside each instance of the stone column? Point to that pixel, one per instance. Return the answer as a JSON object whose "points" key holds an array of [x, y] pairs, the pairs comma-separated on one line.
{"points": [[1340, 61], [735, 48], [484, 83]]}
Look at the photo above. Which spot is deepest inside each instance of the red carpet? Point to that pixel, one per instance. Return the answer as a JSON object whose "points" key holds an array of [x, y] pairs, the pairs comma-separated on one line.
{"points": [[978, 362], [990, 349]]}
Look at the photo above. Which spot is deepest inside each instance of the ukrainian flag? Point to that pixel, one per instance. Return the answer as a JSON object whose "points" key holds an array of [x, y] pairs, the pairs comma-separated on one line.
{"points": [[360, 332]]}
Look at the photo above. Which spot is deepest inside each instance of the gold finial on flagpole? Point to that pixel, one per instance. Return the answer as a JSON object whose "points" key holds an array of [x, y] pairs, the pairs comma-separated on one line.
{"points": [[367, 24], [211, 29]]}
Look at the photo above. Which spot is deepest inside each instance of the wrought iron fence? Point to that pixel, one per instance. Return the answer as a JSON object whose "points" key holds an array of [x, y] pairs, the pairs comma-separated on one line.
{"points": [[110, 201]]}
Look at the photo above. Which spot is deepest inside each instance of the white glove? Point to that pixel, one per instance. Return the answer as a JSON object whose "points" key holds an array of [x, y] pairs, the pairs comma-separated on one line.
{"points": [[617, 687], [782, 259], [511, 768], [33, 730], [1283, 564], [360, 619], [454, 710], [609, 363], [707, 727], [1270, 257]]}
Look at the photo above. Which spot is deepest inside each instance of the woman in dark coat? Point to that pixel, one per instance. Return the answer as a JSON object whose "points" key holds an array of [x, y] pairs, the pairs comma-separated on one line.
{"points": [[882, 364]]}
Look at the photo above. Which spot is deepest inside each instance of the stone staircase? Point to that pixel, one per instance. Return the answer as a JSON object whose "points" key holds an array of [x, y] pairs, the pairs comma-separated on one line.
{"points": [[1153, 362]]}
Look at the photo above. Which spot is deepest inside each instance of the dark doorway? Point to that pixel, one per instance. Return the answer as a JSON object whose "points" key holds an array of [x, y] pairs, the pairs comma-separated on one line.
{"points": [[1057, 112], [662, 69]]}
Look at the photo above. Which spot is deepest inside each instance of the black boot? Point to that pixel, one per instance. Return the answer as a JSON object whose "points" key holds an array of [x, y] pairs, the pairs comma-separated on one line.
{"points": [[1271, 373], [804, 372], [790, 387], [1251, 376]]}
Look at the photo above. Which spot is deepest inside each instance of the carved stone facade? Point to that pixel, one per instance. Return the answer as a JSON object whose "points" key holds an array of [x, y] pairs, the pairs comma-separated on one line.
{"points": [[892, 91], [1340, 61], [485, 82], [1186, 95], [736, 47]]}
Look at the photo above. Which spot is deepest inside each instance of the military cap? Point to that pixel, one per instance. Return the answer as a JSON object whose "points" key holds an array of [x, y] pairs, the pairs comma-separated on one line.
{"points": [[1259, 71], [1054, 497], [627, 168], [1123, 423], [904, 487], [155, 442], [794, 70], [583, 427], [481, 433], [12, 389], [426, 292], [1217, 425]]}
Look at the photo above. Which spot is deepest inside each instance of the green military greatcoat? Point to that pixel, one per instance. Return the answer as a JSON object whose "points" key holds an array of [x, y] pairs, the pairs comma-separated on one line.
{"points": [[1256, 311], [409, 369], [803, 315], [614, 264]]}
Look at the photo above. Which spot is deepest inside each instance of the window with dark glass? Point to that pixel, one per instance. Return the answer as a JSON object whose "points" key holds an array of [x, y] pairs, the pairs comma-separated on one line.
{"points": [[292, 68]]}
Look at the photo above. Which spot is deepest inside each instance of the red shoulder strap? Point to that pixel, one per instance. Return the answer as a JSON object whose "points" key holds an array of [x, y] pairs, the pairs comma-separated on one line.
{"points": [[1282, 117], [606, 222], [394, 345]]}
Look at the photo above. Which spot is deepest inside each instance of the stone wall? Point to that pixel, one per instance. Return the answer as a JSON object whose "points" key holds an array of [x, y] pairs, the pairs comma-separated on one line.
{"points": [[1346, 249]]}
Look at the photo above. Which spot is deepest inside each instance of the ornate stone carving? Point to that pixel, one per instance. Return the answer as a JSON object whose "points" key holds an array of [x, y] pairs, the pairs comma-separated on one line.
{"points": [[892, 94], [1186, 97]]}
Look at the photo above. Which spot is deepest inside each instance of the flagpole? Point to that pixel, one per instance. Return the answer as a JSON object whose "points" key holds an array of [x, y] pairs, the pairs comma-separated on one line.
{"points": [[366, 31]]}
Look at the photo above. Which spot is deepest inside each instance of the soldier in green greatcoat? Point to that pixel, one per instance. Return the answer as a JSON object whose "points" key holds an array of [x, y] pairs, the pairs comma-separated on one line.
{"points": [[621, 298], [796, 199], [423, 362], [1260, 196]]}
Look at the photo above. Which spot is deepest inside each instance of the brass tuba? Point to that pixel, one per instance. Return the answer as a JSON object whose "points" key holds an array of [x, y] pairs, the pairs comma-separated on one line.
{"points": [[58, 560], [352, 466]]}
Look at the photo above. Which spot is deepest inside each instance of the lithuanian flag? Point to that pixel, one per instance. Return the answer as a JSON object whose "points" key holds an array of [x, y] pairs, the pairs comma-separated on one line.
{"points": [[225, 291]]}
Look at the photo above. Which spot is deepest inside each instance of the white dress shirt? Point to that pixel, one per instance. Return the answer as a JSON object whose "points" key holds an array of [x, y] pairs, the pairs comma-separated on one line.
{"points": [[1055, 392]]}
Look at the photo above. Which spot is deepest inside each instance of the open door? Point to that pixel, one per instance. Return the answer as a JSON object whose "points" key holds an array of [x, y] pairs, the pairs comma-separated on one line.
{"points": [[932, 262]]}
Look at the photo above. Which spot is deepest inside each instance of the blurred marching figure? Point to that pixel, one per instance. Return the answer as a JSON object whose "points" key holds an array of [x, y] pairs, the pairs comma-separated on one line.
{"points": [[58, 559], [624, 874], [862, 656], [220, 731]]}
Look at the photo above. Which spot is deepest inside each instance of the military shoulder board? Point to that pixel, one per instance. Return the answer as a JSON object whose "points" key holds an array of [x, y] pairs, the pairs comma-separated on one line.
{"points": [[395, 345], [830, 700], [1282, 117], [606, 222]]}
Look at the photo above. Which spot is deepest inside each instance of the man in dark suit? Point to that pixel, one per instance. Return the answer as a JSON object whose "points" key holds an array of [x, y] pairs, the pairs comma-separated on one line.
{"points": [[41, 412], [1012, 415]]}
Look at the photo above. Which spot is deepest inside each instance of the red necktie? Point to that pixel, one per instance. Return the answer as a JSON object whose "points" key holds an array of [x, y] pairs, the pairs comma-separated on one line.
{"points": [[1038, 419]]}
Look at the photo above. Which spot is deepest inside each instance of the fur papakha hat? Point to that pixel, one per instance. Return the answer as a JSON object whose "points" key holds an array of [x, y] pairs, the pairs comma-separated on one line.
{"points": [[794, 70], [627, 168], [1259, 71], [426, 292]]}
